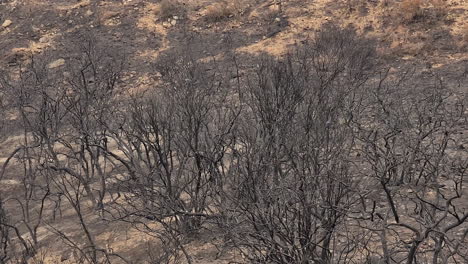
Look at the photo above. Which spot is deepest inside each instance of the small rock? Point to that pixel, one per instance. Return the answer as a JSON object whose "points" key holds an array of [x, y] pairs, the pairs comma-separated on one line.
{"points": [[277, 19], [174, 22], [109, 15], [6, 23], [57, 63], [166, 25], [176, 17], [426, 71], [43, 39], [89, 13]]}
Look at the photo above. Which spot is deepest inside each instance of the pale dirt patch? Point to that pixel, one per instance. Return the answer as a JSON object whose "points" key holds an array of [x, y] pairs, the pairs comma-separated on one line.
{"points": [[9, 182], [148, 21], [72, 5]]}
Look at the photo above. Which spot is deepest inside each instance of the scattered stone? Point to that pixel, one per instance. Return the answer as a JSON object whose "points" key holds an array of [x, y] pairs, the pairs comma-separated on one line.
{"points": [[176, 17], [174, 22], [89, 13], [277, 19], [57, 63], [43, 39], [109, 15], [166, 24], [6, 23], [426, 71]]}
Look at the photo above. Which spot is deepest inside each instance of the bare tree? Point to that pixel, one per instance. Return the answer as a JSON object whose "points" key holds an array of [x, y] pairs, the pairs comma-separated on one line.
{"points": [[292, 178], [319, 156], [173, 141], [409, 143], [77, 159], [21, 92], [4, 236], [63, 115]]}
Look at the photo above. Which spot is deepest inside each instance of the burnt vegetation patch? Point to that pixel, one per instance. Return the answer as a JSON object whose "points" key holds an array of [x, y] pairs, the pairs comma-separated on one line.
{"points": [[323, 155]]}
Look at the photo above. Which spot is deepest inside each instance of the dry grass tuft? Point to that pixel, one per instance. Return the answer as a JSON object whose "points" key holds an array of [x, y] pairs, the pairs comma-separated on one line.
{"points": [[222, 10], [429, 10], [410, 10], [170, 8]]}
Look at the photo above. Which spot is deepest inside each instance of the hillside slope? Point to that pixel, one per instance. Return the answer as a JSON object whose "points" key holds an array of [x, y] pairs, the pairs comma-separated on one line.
{"points": [[430, 37]]}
